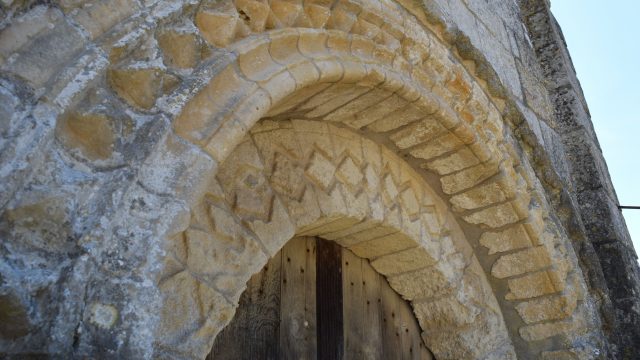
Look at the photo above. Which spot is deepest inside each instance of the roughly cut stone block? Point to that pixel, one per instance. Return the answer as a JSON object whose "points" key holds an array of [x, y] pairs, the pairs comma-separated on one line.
{"points": [[98, 17], [530, 286], [556, 307], [521, 262], [404, 261], [92, 135], [180, 49], [513, 238], [138, 87], [49, 48], [217, 27], [495, 216]]}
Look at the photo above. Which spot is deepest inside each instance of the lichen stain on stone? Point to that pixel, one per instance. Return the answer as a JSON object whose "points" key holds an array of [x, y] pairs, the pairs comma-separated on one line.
{"points": [[43, 224], [14, 322], [91, 134], [103, 316]]}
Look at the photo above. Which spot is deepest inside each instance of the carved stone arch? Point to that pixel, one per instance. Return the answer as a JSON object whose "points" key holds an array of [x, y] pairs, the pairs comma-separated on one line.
{"points": [[376, 68], [437, 117], [288, 178]]}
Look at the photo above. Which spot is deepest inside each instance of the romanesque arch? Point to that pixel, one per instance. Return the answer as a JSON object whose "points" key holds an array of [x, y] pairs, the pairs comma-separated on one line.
{"points": [[374, 133], [310, 178]]}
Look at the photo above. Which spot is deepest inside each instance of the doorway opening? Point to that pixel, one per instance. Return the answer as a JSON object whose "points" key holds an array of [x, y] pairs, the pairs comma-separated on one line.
{"points": [[317, 300]]}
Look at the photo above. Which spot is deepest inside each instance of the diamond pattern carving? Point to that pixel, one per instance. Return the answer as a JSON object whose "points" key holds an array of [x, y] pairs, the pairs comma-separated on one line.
{"points": [[409, 201], [349, 173], [320, 170], [286, 177], [253, 195], [389, 187]]}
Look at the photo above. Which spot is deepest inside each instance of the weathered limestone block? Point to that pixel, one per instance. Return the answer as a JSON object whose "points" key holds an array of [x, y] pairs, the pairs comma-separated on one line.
{"points": [[418, 133], [383, 245], [444, 312], [468, 178], [25, 28], [283, 14], [480, 196], [404, 261], [426, 283], [320, 170], [518, 263], [331, 99], [555, 307], [531, 285], [347, 113], [214, 255], [204, 114], [438, 146], [99, 17], [277, 230], [255, 13], [193, 311], [37, 55], [140, 87], [92, 134], [495, 216], [218, 26], [317, 14], [513, 238], [256, 63], [177, 169], [546, 330], [468, 344], [180, 49]]}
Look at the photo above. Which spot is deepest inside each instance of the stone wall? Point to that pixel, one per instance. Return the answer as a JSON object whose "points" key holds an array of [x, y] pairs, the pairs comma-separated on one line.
{"points": [[117, 119]]}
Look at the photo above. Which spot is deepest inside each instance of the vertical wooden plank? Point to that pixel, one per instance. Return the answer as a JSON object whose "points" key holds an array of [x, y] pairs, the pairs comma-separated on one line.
{"points": [[411, 340], [310, 298], [254, 330], [352, 305], [294, 335], [372, 305], [403, 329], [329, 300], [391, 341]]}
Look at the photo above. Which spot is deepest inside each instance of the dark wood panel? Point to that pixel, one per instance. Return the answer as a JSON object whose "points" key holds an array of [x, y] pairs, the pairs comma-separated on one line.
{"points": [[329, 300]]}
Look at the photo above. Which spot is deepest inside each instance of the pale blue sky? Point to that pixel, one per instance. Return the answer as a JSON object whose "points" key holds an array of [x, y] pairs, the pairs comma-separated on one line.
{"points": [[604, 42]]}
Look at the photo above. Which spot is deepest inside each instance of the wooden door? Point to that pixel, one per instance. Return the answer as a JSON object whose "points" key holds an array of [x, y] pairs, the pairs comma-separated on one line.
{"points": [[317, 300]]}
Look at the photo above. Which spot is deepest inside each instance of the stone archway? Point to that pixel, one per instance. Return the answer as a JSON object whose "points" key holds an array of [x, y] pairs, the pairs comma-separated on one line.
{"points": [[435, 115], [310, 178], [379, 72]]}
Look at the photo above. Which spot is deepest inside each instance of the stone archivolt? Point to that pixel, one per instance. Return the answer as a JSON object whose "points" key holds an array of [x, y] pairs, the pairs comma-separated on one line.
{"points": [[363, 101], [358, 194], [417, 100]]}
